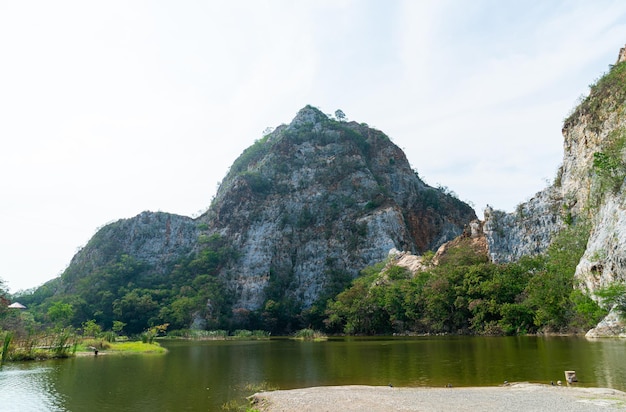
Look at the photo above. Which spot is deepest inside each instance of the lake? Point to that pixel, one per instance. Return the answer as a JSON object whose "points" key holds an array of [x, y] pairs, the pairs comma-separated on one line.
{"points": [[202, 376]]}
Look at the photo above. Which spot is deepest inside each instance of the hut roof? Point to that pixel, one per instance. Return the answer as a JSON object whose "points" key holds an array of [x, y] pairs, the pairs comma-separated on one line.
{"points": [[17, 305]]}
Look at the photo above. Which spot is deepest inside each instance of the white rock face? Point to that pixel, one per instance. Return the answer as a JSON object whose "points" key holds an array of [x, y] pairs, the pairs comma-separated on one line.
{"points": [[321, 199], [409, 261], [604, 260], [528, 231], [611, 325], [155, 238]]}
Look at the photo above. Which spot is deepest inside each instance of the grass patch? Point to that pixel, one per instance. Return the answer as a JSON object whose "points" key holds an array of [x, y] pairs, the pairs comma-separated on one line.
{"points": [[245, 404], [137, 347], [124, 347]]}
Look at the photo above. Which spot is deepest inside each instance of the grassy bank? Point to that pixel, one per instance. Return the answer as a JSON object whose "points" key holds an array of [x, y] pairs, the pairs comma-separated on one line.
{"points": [[65, 345], [119, 348], [37, 347]]}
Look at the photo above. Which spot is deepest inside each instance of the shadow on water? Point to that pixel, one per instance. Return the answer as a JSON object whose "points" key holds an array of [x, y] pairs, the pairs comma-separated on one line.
{"points": [[204, 375]]}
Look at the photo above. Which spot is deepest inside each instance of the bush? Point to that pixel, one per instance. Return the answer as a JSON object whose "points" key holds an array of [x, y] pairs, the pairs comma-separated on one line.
{"points": [[310, 334], [252, 335], [614, 297], [99, 344], [109, 336], [148, 336], [6, 342]]}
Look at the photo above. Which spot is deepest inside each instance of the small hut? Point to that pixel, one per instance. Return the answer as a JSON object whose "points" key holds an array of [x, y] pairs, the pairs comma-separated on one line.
{"points": [[16, 305]]}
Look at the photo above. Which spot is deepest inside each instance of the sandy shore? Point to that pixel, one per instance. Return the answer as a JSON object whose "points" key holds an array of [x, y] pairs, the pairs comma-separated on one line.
{"points": [[514, 397]]}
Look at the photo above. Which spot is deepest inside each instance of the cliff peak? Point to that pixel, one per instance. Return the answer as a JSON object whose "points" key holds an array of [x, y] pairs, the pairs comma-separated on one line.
{"points": [[308, 115], [621, 57]]}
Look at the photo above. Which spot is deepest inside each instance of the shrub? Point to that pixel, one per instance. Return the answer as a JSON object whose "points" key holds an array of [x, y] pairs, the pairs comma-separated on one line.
{"points": [[614, 297], [609, 164], [99, 344], [310, 334], [8, 336]]}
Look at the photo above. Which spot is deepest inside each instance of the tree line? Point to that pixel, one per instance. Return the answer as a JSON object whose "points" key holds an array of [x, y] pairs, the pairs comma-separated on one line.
{"points": [[464, 293]]}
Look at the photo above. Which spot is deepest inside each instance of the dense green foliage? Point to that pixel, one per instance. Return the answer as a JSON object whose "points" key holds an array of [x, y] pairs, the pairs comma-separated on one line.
{"points": [[606, 96], [126, 296], [614, 296], [609, 166], [467, 294], [464, 293]]}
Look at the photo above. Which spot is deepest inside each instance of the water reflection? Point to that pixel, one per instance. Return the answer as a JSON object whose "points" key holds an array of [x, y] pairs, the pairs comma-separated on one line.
{"points": [[610, 367], [29, 387]]}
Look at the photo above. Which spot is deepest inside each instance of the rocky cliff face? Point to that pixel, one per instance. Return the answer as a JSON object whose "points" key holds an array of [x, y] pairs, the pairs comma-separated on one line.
{"points": [[311, 203], [317, 198], [156, 240], [589, 186], [528, 230]]}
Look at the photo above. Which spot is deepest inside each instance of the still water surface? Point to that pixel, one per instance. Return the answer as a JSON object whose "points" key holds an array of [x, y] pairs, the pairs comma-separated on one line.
{"points": [[202, 376]]}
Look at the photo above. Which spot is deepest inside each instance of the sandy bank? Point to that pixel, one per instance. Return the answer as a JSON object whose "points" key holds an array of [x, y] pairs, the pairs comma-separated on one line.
{"points": [[514, 397]]}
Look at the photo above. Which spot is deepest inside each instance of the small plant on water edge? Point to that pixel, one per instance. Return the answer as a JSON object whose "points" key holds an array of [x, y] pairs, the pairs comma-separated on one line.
{"points": [[148, 336], [65, 340], [8, 336], [614, 297], [250, 334], [244, 404], [99, 344]]}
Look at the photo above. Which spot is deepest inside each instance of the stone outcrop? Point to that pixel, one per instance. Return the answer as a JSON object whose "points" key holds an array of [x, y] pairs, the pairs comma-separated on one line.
{"points": [[412, 263], [611, 325], [527, 231], [622, 55]]}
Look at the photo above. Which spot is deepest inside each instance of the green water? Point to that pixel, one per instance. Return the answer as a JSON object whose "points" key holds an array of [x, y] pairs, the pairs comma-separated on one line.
{"points": [[202, 376]]}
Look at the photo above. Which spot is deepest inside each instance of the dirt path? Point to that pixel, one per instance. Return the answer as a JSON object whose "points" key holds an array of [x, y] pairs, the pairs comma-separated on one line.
{"points": [[511, 398]]}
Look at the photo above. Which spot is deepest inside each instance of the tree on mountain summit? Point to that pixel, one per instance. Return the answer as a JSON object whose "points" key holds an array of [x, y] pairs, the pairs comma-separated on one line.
{"points": [[340, 115]]}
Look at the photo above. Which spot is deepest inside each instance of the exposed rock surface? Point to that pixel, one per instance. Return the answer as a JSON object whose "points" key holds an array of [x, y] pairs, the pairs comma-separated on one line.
{"points": [[155, 239], [527, 231], [611, 325], [320, 196], [413, 263], [312, 201]]}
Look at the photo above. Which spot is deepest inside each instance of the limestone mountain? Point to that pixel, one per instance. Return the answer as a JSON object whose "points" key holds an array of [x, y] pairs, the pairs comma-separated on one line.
{"points": [[320, 198], [298, 215]]}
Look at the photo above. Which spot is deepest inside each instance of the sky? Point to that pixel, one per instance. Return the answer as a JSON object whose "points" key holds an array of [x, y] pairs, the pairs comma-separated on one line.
{"points": [[108, 109]]}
